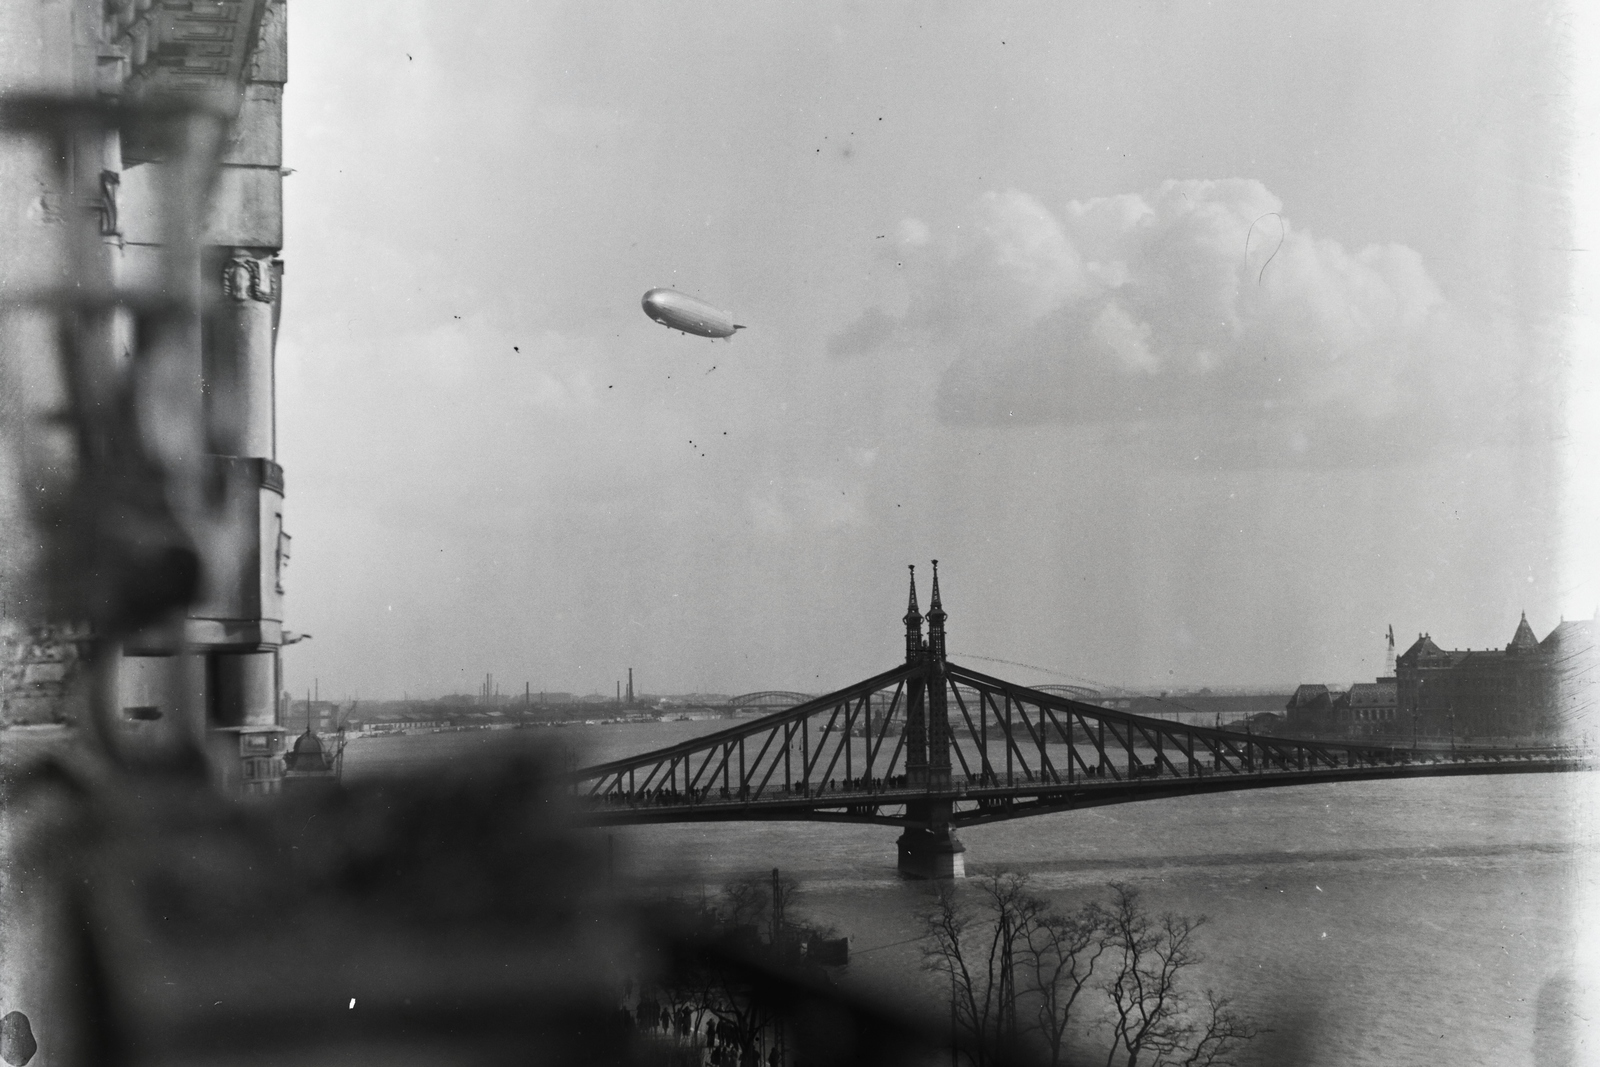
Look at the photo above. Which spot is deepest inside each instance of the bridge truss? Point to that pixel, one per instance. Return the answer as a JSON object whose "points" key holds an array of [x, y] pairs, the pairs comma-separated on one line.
{"points": [[1005, 751]]}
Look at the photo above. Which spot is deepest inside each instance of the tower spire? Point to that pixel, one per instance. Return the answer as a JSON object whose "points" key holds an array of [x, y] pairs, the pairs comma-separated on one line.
{"points": [[913, 621], [1523, 640], [936, 617]]}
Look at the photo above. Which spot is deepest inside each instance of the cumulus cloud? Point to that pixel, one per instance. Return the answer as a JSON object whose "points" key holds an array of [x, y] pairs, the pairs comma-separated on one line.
{"points": [[1197, 305]]}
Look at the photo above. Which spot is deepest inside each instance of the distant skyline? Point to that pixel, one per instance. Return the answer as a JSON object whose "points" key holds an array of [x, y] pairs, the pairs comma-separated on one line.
{"points": [[1031, 674], [1200, 344]]}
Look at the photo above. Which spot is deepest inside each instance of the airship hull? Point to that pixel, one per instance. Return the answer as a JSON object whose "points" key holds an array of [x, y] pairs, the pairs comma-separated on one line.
{"points": [[688, 315]]}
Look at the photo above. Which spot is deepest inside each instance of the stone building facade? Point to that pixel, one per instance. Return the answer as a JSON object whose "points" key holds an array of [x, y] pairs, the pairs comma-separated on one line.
{"points": [[1530, 688], [106, 65], [1370, 709]]}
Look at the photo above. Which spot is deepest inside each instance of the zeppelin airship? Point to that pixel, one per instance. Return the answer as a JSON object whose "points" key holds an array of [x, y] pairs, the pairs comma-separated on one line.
{"points": [[688, 315]]}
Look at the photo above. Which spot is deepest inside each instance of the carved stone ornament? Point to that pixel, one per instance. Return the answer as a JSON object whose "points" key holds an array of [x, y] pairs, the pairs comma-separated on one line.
{"points": [[236, 278], [261, 282], [244, 279], [110, 183], [281, 559]]}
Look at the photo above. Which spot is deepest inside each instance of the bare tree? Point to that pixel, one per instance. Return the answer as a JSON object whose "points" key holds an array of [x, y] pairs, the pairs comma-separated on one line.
{"points": [[747, 902], [980, 957], [708, 987], [756, 914], [1213, 1043], [760, 904], [1058, 954], [1151, 1020], [788, 931], [1149, 954], [1018, 969], [947, 931]]}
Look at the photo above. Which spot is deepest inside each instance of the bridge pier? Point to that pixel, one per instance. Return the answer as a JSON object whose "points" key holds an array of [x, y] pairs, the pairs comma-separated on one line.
{"points": [[931, 853], [929, 847]]}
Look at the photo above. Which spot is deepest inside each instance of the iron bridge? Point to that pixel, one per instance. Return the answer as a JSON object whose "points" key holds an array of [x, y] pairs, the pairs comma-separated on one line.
{"points": [[932, 746]]}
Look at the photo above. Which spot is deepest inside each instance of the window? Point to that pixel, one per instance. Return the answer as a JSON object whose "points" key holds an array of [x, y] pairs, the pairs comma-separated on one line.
{"points": [[281, 560]]}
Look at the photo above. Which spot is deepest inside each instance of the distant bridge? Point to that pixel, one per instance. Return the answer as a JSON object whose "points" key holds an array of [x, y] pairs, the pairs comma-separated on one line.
{"points": [[931, 746], [1076, 692], [765, 701], [769, 700]]}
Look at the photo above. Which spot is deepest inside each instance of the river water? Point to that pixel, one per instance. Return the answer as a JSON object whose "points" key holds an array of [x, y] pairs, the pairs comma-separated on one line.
{"points": [[1377, 923]]}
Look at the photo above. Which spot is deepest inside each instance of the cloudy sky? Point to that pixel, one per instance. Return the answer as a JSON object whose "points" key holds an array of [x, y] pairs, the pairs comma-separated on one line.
{"points": [[1199, 342]]}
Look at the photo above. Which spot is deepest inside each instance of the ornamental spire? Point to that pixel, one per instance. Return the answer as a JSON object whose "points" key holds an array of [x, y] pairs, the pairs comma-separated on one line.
{"points": [[1523, 640], [936, 617], [913, 621]]}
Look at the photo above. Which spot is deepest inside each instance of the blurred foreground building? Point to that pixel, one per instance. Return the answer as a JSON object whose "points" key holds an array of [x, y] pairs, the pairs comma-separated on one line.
{"points": [[90, 68]]}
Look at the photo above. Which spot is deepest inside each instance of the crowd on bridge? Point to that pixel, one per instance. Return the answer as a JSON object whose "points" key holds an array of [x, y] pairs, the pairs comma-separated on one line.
{"points": [[1152, 766], [671, 795]]}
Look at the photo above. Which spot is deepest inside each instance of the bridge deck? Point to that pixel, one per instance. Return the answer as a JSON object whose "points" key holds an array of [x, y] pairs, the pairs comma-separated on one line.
{"points": [[975, 802]]}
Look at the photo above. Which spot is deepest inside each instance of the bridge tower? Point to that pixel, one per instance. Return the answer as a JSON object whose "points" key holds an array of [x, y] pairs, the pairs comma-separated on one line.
{"points": [[929, 848], [916, 719], [938, 714]]}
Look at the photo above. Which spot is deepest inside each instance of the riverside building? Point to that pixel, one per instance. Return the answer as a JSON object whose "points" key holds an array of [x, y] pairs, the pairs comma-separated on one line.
{"points": [[1527, 689]]}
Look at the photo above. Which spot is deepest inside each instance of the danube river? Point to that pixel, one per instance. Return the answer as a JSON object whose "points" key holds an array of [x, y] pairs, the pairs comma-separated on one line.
{"points": [[1375, 924]]}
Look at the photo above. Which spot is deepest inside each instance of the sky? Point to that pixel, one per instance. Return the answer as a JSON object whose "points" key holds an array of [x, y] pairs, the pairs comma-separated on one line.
{"points": [[1198, 342]]}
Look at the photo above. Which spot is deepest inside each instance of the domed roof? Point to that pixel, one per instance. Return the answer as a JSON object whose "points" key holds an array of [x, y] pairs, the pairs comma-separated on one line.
{"points": [[308, 744]]}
